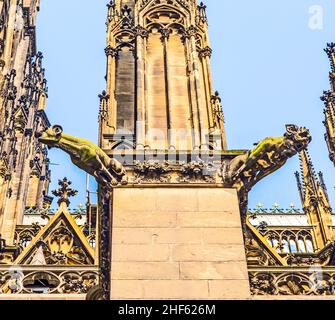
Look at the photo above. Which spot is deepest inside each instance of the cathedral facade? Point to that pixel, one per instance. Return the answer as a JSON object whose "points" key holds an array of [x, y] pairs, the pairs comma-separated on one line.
{"points": [[172, 220], [25, 173]]}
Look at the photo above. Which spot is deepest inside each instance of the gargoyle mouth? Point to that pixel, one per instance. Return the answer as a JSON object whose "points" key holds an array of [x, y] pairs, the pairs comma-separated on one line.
{"points": [[48, 141], [300, 147], [51, 136]]}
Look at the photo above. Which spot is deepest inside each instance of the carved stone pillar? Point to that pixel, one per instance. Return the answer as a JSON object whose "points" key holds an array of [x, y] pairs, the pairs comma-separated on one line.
{"points": [[112, 55]]}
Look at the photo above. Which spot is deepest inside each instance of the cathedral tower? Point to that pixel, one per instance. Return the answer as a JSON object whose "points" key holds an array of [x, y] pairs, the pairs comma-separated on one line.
{"points": [[159, 88], [175, 230], [24, 168]]}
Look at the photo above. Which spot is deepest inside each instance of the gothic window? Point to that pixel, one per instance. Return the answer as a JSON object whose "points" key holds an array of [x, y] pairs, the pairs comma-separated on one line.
{"points": [[285, 246], [302, 247], [293, 246], [288, 241], [276, 245], [309, 246]]}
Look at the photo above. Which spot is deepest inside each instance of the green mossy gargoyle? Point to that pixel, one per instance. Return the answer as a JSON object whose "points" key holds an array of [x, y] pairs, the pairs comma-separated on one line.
{"points": [[85, 155], [268, 156]]}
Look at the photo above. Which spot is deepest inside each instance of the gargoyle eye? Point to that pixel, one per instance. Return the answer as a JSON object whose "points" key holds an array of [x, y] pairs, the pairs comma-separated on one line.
{"points": [[57, 130]]}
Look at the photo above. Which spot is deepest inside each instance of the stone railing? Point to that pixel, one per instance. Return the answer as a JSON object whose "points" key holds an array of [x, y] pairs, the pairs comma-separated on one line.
{"points": [[313, 281], [47, 279], [51, 212], [276, 210]]}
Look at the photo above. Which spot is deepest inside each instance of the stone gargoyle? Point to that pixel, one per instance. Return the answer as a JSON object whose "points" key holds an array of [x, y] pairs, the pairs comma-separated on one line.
{"points": [[268, 156], [85, 155]]}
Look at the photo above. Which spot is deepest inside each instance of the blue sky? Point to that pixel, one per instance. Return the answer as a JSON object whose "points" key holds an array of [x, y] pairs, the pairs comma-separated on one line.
{"points": [[268, 64]]}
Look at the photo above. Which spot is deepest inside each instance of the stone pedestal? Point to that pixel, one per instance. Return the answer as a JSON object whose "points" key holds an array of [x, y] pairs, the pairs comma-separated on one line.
{"points": [[177, 243]]}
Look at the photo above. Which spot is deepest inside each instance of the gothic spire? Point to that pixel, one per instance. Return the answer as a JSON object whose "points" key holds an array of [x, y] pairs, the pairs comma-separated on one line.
{"points": [[311, 186], [329, 100], [315, 200], [330, 50], [159, 48]]}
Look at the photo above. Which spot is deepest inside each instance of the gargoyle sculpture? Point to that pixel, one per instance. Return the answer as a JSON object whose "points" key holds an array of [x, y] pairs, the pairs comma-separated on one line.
{"points": [[85, 155], [268, 156]]}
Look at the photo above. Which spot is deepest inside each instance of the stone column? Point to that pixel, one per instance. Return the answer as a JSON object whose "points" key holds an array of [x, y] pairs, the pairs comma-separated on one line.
{"points": [[205, 56], [140, 88], [112, 112]]}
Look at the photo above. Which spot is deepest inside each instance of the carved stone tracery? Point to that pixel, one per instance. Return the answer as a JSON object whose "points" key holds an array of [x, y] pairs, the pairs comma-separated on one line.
{"points": [[50, 281], [307, 283]]}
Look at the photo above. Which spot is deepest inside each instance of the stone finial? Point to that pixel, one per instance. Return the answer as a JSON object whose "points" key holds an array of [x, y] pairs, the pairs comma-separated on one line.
{"points": [[276, 206], [202, 15], [330, 50], [64, 192]]}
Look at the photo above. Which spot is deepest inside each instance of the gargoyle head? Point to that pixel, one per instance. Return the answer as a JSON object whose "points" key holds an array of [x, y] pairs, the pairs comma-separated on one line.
{"points": [[51, 136], [299, 137]]}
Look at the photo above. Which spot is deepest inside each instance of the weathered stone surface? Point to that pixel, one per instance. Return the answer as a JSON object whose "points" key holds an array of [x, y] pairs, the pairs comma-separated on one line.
{"points": [[145, 220], [231, 236], [229, 289], [219, 200], [136, 236], [130, 289], [137, 253], [172, 250], [208, 220], [177, 235], [213, 270], [213, 253], [172, 200], [175, 289], [146, 271]]}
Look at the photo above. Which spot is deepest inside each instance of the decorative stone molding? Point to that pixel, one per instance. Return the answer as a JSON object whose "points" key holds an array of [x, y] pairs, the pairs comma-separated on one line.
{"points": [[111, 52], [152, 172], [191, 32], [141, 32], [55, 280], [197, 171], [165, 32], [293, 283], [169, 172], [205, 52]]}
